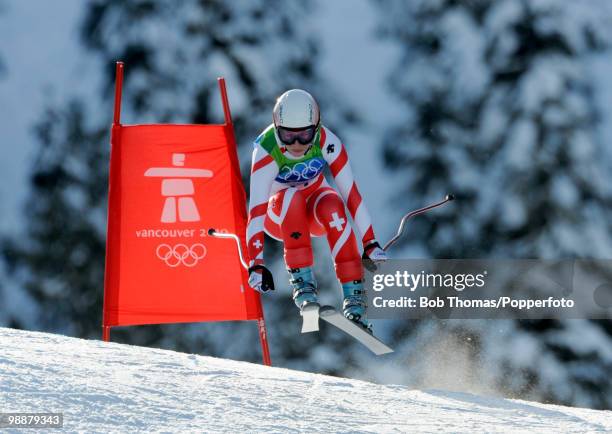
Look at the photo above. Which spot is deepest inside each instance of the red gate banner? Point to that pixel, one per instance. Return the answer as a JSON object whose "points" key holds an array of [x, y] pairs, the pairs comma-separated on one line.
{"points": [[168, 185]]}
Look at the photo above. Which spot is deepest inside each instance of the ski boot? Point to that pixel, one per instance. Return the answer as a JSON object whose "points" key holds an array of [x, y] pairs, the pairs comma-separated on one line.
{"points": [[304, 286], [355, 302]]}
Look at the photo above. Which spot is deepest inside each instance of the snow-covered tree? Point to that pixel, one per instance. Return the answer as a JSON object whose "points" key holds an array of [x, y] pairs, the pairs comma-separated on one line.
{"points": [[2, 64], [499, 109]]}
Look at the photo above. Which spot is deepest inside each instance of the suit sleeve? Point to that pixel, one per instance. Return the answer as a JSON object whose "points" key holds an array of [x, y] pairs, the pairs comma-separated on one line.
{"points": [[336, 156], [263, 173]]}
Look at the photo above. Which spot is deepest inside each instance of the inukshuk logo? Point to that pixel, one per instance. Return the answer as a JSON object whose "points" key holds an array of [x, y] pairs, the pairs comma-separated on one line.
{"points": [[178, 189]]}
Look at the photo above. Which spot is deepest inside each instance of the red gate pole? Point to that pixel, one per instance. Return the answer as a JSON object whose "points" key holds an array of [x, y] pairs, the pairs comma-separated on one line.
{"points": [[229, 126], [114, 133], [261, 323], [118, 92], [226, 109], [263, 338]]}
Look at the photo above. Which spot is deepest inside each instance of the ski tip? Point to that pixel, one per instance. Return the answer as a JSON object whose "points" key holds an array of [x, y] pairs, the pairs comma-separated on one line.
{"points": [[379, 348], [310, 318]]}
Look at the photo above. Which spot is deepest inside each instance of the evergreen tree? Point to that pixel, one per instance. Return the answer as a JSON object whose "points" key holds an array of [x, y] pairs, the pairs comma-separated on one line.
{"points": [[500, 110], [173, 53], [3, 297], [3, 68]]}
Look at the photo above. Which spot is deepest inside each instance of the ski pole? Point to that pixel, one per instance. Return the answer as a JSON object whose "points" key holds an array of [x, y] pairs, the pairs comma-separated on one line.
{"points": [[213, 233], [411, 214], [266, 273]]}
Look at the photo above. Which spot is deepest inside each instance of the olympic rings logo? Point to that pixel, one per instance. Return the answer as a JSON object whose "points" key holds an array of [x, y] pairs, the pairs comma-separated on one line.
{"points": [[302, 171], [181, 254]]}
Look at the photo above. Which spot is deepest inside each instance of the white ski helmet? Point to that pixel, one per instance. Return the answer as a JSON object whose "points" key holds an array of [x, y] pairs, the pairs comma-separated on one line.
{"points": [[296, 108]]}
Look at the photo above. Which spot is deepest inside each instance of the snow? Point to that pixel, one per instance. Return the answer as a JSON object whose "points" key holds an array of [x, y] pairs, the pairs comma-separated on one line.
{"points": [[114, 387]]}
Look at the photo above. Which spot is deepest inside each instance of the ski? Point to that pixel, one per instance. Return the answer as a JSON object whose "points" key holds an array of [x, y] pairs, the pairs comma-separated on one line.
{"points": [[335, 318], [310, 318]]}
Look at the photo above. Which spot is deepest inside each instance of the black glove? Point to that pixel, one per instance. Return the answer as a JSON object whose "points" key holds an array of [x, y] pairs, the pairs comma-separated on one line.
{"points": [[260, 279], [373, 254]]}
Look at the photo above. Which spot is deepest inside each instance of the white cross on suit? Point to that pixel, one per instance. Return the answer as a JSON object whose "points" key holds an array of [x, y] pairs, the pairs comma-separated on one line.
{"points": [[257, 244], [337, 222]]}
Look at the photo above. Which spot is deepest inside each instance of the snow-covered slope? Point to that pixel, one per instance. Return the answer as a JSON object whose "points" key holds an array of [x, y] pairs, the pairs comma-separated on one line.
{"points": [[120, 388]]}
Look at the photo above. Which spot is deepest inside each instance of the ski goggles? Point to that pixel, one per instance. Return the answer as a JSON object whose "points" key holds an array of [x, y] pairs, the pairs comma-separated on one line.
{"points": [[302, 135]]}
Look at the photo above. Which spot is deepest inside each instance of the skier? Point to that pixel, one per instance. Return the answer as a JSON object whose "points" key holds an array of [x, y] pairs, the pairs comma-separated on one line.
{"points": [[292, 201]]}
